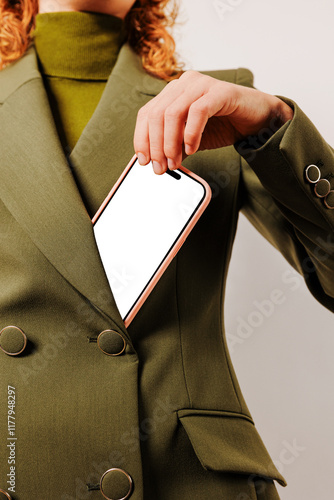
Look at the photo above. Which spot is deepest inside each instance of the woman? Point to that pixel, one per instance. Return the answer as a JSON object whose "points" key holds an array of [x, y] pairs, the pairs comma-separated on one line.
{"points": [[153, 411]]}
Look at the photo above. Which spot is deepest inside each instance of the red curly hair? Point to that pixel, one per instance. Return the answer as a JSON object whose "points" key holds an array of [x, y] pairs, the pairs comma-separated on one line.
{"points": [[146, 24]]}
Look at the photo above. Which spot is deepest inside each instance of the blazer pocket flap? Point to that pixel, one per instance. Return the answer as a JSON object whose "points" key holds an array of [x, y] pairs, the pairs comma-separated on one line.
{"points": [[228, 442]]}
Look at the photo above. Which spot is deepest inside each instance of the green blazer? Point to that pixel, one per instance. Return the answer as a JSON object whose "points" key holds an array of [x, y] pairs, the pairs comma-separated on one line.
{"points": [[155, 410]]}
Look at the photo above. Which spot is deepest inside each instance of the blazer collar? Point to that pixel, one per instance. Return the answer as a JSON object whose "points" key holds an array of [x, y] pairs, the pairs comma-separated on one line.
{"points": [[37, 182]]}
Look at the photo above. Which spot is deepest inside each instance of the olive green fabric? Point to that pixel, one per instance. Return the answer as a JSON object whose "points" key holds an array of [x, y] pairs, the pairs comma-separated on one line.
{"points": [[169, 411], [76, 53], [302, 228], [213, 436]]}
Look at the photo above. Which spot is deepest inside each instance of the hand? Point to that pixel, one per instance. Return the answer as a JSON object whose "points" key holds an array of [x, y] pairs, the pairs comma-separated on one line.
{"points": [[198, 112]]}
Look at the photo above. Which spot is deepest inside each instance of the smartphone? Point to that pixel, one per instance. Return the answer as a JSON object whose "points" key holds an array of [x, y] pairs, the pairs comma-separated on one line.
{"points": [[141, 226]]}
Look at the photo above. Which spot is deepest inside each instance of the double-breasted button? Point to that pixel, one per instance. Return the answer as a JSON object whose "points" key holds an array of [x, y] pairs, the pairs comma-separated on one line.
{"points": [[4, 495], [116, 484], [13, 340], [312, 173], [111, 343]]}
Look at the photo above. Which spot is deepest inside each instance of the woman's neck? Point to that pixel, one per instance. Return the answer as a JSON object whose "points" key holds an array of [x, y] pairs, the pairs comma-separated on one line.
{"points": [[117, 8]]}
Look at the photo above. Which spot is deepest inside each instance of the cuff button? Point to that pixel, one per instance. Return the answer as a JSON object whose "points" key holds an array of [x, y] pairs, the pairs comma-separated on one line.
{"points": [[13, 341], [4, 495], [329, 200], [322, 188], [312, 173]]}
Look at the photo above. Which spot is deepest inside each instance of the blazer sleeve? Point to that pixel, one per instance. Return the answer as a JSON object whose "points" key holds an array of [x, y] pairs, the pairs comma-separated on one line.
{"points": [[291, 209]]}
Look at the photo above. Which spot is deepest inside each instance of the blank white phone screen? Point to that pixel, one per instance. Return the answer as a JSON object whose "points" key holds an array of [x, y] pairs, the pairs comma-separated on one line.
{"points": [[145, 216]]}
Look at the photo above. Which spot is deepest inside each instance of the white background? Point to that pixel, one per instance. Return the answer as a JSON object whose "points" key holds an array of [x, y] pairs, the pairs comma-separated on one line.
{"points": [[285, 366]]}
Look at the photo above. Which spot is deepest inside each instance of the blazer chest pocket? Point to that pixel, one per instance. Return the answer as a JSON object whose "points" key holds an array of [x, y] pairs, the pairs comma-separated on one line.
{"points": [[228, 442]]}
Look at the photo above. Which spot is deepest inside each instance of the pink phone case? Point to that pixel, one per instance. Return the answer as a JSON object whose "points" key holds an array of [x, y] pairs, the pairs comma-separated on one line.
{"points": [[178, 243]]}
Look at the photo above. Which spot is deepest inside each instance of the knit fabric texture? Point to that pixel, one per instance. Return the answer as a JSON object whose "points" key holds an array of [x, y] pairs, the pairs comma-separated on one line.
{"points": [[76, 53]]}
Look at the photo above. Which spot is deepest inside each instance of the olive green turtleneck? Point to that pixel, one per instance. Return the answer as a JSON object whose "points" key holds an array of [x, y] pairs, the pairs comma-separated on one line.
{"points": [[76, 53]]}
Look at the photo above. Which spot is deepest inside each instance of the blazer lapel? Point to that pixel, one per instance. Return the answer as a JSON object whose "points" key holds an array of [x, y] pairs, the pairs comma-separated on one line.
{"points": [[106, 145], [37, 184]]}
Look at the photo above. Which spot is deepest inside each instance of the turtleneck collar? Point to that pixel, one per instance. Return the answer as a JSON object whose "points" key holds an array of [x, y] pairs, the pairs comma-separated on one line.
{"points": [[78, 45]]}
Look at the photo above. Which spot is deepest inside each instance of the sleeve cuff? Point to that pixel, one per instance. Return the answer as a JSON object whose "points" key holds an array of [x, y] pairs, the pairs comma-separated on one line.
{"points": [[273, 133]]}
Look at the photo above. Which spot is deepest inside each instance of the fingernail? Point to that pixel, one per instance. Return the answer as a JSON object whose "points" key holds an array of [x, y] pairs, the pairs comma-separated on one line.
{"points": [[171, 164], [157, 167], [187, 149], [142, 159]]}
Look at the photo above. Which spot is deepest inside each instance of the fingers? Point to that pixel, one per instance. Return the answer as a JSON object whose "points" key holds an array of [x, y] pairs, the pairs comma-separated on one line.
{"points": [[198, 112], [149, 130], [175, 119], [210, 104], [159, 132], [140, 140]]}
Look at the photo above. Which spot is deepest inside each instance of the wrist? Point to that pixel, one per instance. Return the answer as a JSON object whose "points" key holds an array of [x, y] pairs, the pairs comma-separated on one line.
{"points": [[282, 113]]}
